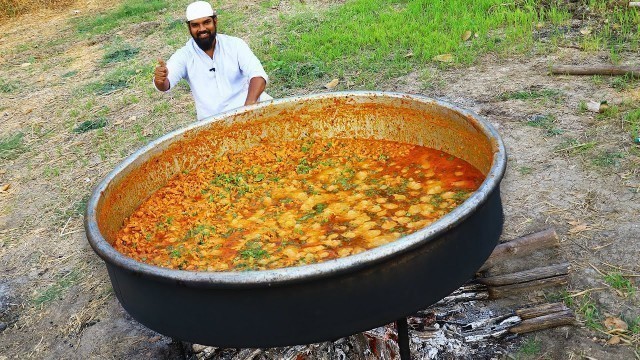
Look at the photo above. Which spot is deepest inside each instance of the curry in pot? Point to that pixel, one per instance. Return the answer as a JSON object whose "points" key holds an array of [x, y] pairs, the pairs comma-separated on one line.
{"points": [[295, 203]]}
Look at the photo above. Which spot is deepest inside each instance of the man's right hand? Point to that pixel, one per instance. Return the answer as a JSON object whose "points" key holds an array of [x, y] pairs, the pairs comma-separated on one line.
{"points": [[160, 76]]}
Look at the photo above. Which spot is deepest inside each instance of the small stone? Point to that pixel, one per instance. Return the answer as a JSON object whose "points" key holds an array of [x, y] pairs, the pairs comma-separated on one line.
{"points": [[615, 340], [3, 326], [615, 323], [595, 106]]}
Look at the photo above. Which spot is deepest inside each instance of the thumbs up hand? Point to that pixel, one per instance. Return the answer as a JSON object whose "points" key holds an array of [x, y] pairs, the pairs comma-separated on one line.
{"points": [[161, 71], [160, 75]]}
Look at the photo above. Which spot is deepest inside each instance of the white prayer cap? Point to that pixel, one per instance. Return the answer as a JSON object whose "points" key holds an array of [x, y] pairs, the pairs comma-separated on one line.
{"points": [[199, 9]]}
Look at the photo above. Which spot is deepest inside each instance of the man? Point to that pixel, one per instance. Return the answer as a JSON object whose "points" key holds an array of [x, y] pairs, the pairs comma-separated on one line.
{"points": [[221, 70]]}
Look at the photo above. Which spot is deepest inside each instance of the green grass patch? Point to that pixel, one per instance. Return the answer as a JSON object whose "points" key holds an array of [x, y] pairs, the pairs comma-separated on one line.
{"points": [[545, 122], [582, 107], [69, 74], [532, 94], [530, 347], [622, 83], [617, 281], [632, 119], [119, 53], [373, 39], [129, 12], [609, 112], [574, 147], [607, 159], [118, 79], [590, 313], [634, 324], [8, 86], [89, 125], [584, 306], [525, 170], [619, 28], [11, 146], [55, 291]]}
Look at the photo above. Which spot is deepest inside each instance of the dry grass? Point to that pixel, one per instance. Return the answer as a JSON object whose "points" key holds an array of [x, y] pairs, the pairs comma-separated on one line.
{"points": [[12, 8]]}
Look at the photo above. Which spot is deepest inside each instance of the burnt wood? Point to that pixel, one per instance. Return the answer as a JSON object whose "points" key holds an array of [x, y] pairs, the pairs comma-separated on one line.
{"points": [[496, 292], [544, 322], [527, 275], [522, 246]]}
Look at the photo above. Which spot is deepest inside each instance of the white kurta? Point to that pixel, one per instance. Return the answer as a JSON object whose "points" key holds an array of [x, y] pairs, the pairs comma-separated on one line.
{"points": [[217, 84]]}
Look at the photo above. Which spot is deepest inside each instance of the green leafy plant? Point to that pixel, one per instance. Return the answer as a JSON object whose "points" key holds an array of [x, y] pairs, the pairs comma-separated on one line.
{"points": [[617, 281], [88, 125], [253, 249], [608, 159], [8, 86], [11, 146], [119, 54], [56, 290], [545, 122], [582, 107], [589, 311], [532, 94]]}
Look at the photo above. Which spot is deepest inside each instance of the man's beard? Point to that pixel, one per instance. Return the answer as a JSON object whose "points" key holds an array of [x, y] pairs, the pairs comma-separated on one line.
{"points": [[205, 44]]}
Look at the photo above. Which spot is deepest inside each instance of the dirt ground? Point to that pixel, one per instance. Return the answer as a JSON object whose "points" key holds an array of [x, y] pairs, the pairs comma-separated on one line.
{"points": [[56, 300]]}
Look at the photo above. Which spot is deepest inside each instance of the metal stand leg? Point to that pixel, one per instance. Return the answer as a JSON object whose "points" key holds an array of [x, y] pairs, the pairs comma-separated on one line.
{"points": [[181, 348], [403, 338]]}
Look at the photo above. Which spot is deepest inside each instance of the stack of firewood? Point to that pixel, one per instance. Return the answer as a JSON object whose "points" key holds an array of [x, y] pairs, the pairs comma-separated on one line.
{"points": [[479, 320]]}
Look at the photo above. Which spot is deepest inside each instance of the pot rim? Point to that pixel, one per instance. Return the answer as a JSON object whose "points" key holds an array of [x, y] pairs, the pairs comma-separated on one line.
{"points": [[266, 278]]}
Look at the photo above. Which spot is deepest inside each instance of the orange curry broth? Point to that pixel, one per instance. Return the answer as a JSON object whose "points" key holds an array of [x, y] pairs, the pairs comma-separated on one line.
{"points": [[294, 203]]}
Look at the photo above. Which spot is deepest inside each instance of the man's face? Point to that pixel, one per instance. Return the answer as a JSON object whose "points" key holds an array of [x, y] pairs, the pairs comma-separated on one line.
{"points": [[203, 31]]}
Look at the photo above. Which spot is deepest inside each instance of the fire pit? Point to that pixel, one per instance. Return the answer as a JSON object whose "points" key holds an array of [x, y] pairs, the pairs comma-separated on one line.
{"points": [[312, 303]]}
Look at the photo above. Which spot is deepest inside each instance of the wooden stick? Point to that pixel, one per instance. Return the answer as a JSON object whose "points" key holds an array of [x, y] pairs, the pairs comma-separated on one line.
{"points": [[522, 246], [467, 296], [507, 290], [527, 275], [596, 70], [544, 322], [492, 331], [542, 310]]}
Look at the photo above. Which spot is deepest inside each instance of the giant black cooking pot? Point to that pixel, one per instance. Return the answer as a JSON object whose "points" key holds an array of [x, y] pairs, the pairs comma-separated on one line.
{"points": [[317, 302]]}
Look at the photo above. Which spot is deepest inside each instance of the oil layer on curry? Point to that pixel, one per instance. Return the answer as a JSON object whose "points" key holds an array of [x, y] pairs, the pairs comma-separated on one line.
{"points": [[295, 203]]}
